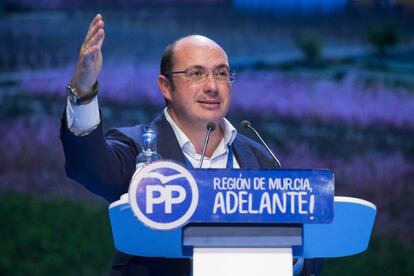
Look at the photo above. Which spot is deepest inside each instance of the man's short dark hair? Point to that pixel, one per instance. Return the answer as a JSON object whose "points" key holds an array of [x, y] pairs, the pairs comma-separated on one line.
{"points": [[167, 64], [167, 59]]}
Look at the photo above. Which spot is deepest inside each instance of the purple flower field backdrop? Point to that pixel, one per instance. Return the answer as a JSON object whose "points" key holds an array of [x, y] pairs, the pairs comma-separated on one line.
{"points": [[259, 93], [352, 112]]}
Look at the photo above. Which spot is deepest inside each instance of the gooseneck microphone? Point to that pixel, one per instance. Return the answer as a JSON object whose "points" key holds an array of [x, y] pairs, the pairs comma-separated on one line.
{"points": [[210, 128], [247, 125]]}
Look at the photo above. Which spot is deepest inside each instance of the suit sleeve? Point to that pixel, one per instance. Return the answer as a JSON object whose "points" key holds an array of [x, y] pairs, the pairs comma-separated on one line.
{"points": [[104, 165]]}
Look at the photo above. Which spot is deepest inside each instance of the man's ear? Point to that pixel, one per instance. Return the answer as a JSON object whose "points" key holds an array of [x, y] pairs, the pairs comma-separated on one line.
{"points": [[165, 87]]}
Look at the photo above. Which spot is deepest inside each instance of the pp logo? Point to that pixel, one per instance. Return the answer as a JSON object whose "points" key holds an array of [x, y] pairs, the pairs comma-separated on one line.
{"points": [[163, 195]]}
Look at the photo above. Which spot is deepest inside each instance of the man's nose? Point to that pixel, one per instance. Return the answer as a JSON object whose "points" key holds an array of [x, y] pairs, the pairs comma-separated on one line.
{"points": [[210, 84]]}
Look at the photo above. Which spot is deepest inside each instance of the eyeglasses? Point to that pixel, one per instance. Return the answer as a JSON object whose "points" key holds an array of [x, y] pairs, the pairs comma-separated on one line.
{"points": [[201, 73]]}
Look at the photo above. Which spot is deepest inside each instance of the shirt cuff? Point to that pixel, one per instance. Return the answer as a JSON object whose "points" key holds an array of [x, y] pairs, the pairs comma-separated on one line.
{"points": [[82, 119]]}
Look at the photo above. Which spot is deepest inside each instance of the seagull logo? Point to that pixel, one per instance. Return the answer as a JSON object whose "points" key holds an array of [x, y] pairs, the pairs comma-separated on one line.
{"points": [[164, 178]]}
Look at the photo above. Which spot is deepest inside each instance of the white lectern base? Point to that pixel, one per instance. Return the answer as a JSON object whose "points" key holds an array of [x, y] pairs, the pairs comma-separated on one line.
{"points": [[242, 261]]}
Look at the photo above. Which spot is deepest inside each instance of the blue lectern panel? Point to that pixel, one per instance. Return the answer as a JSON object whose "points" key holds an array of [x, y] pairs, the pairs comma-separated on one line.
{"points": [[264, 196], [133, 237], [348, 234]]}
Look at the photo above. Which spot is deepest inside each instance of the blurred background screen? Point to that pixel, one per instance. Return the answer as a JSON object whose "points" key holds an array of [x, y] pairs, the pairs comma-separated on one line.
{"points": [[329, 83]]}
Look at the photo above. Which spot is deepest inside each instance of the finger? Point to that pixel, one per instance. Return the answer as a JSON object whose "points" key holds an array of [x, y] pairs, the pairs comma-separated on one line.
{"points": [[96, 39], [101, 40], [95, 43], [94, 29], [93, 23], [95, 19]]}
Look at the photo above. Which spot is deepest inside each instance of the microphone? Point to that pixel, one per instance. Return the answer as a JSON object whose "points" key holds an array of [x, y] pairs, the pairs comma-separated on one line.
{"points": [[210, 128], [247, 125]]}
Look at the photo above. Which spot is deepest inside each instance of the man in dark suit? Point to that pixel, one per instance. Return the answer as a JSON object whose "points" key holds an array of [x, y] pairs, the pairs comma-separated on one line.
{"points": [[195, 80]]}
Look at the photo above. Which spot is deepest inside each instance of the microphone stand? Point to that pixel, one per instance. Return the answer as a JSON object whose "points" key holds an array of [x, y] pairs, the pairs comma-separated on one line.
{"points": [[246, 124], [210, 128]]}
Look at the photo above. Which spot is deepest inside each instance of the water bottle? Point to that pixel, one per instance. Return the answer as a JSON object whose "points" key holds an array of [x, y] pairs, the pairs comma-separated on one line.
{"points": [[149, 149]]}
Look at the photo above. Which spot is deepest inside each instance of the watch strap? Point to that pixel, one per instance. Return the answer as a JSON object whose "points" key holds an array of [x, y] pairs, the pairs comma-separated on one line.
{"points": [[81, 100]]}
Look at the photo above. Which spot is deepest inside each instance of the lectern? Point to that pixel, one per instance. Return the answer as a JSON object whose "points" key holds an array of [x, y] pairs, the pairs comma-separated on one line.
{"points": [[238, 222]]}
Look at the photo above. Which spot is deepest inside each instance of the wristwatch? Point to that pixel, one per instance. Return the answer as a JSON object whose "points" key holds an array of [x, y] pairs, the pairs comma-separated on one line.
{"points": [[76, 99]]}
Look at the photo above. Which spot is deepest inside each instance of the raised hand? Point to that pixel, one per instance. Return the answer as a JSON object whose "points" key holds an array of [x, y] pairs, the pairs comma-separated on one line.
{"points": [[90, 58]]}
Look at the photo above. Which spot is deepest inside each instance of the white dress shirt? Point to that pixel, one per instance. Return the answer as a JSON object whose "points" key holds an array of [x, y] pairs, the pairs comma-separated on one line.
{"points": [[219, 157]]}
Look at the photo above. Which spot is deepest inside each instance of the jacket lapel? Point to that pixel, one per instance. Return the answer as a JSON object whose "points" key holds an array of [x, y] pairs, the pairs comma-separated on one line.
{"points": [[244, 155], [167, 144]]}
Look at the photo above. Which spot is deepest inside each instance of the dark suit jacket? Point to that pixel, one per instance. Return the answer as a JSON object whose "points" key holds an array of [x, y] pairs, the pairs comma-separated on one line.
{"points": [[104, 164]]}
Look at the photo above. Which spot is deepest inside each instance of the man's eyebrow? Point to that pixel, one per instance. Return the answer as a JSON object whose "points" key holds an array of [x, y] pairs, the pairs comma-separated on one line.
{"points": [[196, 67], [221, 66]]}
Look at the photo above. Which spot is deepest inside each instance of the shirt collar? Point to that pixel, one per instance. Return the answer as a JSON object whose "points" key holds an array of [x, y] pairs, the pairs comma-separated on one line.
{"points": [[230, 131]]}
